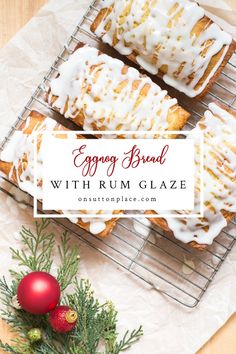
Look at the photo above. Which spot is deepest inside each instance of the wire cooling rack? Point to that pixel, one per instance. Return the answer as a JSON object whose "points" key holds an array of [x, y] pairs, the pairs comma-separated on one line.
{"points": [[167, 265]]}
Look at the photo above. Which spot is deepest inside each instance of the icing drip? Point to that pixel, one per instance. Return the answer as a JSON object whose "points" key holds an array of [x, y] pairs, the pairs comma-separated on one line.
{"points": [[165, 35], [219, 179], [20, 152], [188, 266], [108, 94], [96, 224], [141, 226]]}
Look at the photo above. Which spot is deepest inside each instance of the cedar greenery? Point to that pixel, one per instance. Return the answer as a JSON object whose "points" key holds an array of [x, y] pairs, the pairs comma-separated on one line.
{"points": [[96, 329]]}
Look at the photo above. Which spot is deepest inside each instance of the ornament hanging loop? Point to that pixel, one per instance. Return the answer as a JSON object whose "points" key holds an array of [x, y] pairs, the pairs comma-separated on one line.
{"points": [[71, 316]]}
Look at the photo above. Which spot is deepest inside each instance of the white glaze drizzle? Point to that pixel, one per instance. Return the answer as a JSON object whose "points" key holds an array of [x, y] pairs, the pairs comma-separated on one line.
{"points": [[21, 148], [93, 81], [160, 32], [219, 128], [20, 152], [96, 224]]}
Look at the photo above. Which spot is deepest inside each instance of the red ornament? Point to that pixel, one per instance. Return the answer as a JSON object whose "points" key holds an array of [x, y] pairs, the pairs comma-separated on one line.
{"points": [[63, 319], [38, 292]]}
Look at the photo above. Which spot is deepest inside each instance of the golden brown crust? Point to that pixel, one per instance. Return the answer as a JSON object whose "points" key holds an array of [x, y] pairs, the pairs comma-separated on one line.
{"points": [[6, 167], [200, 26], [226, 108], [177, 116], [162, 223], [211, 82], [110, 224], [28, 127], [99, 18], [35, 117]]}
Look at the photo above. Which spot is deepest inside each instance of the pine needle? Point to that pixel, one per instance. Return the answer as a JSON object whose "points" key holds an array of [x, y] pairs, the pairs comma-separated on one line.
{"points": [[96, 328]]}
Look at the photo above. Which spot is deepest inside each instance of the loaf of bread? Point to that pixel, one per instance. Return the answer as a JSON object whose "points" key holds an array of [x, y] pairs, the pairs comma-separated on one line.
{"points": [[219, 181], [172, 39], [17, 163], [98, 92]]}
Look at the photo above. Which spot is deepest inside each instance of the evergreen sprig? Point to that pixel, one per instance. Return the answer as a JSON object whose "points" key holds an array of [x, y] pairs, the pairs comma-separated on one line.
{"points": [[96, 328], [69, 262]]}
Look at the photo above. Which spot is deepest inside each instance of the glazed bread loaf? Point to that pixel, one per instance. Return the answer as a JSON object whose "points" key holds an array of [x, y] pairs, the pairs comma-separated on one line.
{"points": [[219, 181], [173, 39], [17, 163], [17, 158], [101, 225], [98, 92]]}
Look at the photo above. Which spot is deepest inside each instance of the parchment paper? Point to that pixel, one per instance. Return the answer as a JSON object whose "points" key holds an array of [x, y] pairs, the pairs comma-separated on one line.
{"points": [[169, 327]]}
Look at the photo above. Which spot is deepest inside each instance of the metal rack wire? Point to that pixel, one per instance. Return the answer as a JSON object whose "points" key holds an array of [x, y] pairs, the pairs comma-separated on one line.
{"points": [[168, 266]]}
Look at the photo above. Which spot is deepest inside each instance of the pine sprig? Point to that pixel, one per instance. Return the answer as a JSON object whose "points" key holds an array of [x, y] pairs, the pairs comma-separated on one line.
{"points": [[96, 328], [128, 340], [40, 246], [69, 262], [8, 348]]}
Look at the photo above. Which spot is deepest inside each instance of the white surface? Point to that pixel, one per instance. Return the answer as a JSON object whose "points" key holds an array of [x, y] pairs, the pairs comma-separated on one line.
{"points": [[143, 191], [169, 328]]}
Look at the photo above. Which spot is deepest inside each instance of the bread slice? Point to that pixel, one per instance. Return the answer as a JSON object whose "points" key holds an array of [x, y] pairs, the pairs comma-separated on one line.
{"points": [[219, 177], [174, 40], [17, 164], [98, 92]]}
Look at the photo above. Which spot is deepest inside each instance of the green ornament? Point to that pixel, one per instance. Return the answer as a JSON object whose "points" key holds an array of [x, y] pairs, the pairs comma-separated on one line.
{"points": [[34, 335]]}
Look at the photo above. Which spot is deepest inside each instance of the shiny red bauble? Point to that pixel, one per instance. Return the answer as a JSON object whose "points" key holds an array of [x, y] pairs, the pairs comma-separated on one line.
{"points": [[63, 319], [38, 293]]}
